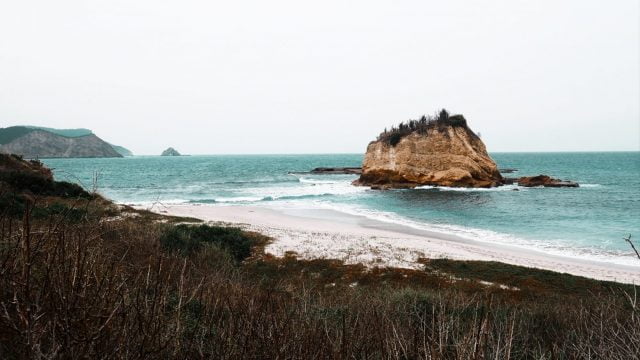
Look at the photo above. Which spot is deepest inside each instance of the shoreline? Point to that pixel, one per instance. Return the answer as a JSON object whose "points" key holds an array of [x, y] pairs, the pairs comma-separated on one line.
{"points": [[330, 234]]}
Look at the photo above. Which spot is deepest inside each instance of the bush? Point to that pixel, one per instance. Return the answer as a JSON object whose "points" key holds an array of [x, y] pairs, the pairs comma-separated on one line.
{"points": [[35, 183], [71, 214], [32, 176], [69, 190], [457, 120], [421, 126], [12, 204], [27, 181], [394, 139], [189, 239]]}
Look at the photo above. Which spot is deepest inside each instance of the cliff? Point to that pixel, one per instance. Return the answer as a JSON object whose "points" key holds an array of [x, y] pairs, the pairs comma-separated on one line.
{"points": [[439, 151], [38, 143]]}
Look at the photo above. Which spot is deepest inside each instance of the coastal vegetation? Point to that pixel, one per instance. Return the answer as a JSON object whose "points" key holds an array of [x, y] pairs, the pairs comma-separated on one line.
{"points": [[11, 133], [81, 277], [421, 126]]}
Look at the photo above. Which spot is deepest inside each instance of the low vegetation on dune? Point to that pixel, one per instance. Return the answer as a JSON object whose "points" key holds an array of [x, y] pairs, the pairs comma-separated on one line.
{"points": [[421, 126], [81, 277]]}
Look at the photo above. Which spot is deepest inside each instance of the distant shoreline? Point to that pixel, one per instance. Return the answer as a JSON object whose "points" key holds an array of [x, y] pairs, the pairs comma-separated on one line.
{"points": [[362, 153], [317, 234]]}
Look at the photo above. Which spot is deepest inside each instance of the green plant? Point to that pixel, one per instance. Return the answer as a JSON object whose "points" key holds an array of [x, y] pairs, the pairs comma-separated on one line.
{"points": [[422, 126], [188, 239], [70, 213]]}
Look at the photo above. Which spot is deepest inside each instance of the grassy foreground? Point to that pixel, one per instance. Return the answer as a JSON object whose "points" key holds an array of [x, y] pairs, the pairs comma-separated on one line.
{"points": [[81, 277]]}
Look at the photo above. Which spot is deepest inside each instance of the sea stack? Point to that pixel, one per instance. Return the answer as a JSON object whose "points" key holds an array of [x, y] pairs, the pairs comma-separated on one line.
{"points": [[440, 150], [170, 152]]}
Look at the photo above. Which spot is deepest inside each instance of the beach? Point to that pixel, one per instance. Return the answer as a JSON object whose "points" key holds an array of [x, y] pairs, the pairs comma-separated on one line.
{"points": [[326, 234]]}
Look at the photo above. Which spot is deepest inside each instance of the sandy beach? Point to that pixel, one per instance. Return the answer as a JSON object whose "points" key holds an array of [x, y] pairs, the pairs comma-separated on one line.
{"points": [[332, 235]]}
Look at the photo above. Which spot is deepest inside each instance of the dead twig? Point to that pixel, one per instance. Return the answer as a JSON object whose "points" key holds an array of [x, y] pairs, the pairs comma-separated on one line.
{"points": [[628, 239]]}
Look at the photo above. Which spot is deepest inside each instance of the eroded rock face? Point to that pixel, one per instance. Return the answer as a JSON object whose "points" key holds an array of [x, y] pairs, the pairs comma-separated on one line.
{"points": [[443, 156]]}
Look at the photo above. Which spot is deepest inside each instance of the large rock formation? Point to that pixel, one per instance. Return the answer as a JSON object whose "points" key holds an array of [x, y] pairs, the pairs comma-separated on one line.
{"points": [[440, 151], [37, 143]]}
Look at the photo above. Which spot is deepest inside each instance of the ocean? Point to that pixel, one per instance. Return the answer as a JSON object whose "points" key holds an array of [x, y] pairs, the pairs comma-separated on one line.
{"points": [[588, 222]]}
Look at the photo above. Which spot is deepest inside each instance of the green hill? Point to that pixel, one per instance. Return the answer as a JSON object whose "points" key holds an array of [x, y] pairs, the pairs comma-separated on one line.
{"points": [[12, 133], [64, 132], [9, 134]]}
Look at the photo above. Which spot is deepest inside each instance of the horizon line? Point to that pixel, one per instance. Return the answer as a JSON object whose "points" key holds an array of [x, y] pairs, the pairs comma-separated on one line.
{"points": [[362, 153]]}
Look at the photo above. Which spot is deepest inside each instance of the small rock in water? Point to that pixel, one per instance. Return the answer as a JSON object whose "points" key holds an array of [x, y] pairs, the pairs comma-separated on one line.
{"points": [[507, 170], [546, 181]]}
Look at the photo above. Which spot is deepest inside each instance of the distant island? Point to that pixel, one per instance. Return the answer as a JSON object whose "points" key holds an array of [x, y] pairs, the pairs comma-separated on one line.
{"points": [[170, 152], [42, 142]]}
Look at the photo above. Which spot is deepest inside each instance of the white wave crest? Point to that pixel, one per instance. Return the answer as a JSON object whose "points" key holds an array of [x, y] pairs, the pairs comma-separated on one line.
{"points": [[462, 189], [557, 247]]}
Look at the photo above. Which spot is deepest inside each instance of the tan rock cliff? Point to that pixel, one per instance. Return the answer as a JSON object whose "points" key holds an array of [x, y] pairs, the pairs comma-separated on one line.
{"points": [[435, 153]]}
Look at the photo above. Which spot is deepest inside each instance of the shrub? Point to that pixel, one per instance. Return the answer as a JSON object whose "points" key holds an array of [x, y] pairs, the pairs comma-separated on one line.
{"points": [[394, 139], [37, 184], [32, 176], [457, 120], [26, 181], [69, 190], [12, 204], [188, 239], [71, 214], [421, 126]]}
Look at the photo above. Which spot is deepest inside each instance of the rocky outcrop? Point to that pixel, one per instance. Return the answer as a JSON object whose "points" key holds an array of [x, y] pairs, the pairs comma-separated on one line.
{"points": [[170, 152], [441, 152], [544, 180], [331, 171], [44, 144], [337, 170]]}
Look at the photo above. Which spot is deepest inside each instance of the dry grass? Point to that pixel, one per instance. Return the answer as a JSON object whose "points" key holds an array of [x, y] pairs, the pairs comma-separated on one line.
{"points": [[108, 289]]}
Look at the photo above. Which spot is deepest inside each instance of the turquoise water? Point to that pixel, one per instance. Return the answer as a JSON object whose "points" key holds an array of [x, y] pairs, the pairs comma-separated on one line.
{"points": [[587, 222]]}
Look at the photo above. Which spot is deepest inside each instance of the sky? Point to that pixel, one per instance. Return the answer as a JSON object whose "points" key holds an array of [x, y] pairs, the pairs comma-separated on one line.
{"points": [[251, 77]]}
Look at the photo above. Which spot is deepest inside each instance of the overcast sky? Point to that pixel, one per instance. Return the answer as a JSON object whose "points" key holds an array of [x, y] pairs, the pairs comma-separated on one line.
{"points": [[211, 77]]}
